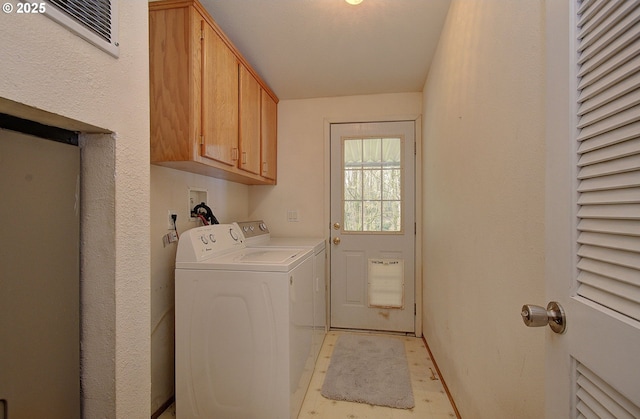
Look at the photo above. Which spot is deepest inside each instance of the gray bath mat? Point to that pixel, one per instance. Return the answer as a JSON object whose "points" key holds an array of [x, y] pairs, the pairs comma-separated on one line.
{"points": [[369, 369]]}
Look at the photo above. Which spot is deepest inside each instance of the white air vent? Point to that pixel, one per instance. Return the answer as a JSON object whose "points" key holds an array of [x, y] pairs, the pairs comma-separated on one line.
{"points": [[96, 21]]}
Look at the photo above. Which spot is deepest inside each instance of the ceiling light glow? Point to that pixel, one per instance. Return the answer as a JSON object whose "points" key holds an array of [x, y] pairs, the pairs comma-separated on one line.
{"points": [[353, 2]]}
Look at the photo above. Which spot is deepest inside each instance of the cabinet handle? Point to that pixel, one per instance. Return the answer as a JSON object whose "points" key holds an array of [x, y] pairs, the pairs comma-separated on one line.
{"points": [[265, 167], [244, 157], [234, 154]]}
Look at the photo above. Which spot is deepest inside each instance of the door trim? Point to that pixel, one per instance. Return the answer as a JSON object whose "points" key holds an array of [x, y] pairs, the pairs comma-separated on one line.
{"points": [[417, 119]]}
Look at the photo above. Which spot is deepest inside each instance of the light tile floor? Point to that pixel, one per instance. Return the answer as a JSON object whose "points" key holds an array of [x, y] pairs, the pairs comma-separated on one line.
{"points": [[431, 401]]}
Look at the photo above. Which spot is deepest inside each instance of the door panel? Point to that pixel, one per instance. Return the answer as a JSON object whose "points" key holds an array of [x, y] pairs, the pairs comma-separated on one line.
{"points": [[249, 138], [373, 226], [39, 278], [354, 263], [269, 137], [592, 369], [219, 99]]}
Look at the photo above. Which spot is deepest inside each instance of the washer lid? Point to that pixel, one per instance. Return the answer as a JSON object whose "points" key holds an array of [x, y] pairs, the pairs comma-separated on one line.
{"points": [[253, 259]]}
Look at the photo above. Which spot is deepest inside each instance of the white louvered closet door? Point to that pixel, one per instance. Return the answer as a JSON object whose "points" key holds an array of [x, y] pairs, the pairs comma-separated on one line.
{"points": [[593, 207], [609, 155]]}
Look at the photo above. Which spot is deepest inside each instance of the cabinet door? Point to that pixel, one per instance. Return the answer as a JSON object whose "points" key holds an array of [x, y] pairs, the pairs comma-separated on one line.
{"points": [[249, 122], [174, 84], [268, 136], [219, 99]]}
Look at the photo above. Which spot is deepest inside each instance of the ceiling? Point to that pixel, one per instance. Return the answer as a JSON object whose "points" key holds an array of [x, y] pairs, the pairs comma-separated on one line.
{"points": [[326, 48]]}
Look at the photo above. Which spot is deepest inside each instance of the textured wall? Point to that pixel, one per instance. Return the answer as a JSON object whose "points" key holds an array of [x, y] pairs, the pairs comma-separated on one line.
{"points": [[302, 159], [47, 67], [483, 182]]}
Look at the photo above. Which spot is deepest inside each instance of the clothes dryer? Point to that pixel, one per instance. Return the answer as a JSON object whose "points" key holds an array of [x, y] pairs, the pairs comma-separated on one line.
{"points": [[257, 234]]}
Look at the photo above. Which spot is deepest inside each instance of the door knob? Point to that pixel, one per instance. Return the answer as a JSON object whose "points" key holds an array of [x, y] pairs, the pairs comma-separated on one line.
{"points": [[336, 226], [336, 240], [536, 316]]}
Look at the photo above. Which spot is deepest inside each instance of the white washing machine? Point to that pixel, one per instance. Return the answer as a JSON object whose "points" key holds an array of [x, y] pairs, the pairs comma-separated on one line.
{"points": [[237, 343], [257, 234]]}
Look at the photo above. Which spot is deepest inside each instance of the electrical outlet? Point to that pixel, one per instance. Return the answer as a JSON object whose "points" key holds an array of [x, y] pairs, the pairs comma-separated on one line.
{"points": [[170, 224], [292, 216]]}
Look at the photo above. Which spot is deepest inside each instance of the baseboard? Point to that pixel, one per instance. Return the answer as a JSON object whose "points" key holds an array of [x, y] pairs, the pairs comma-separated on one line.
{"points": [[370, 331], [444, 384], [162, 408]]}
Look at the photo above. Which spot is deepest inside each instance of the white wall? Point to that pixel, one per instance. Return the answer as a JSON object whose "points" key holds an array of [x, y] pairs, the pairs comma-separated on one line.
{"points": [[46, 67], [303, 159], [169, 191], [483, 162]]}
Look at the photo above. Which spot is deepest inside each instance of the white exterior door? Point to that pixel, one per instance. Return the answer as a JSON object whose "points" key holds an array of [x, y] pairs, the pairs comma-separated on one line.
{"points": [[373, 226], [593, 208]]}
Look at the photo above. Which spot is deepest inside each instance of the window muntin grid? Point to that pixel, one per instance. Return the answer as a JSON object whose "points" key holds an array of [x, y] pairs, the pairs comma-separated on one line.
{"points": [[372, 184]]}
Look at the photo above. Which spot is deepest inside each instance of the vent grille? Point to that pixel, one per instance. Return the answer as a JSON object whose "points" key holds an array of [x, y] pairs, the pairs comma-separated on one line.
{"points": [[94, 15], [93, 20]]}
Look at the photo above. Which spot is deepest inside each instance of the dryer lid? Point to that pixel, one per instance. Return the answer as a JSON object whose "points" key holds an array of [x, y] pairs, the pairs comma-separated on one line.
{"points": [[266, 255]]}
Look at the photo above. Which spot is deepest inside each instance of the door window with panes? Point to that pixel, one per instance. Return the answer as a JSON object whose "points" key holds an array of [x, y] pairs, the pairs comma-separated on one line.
{"points": [[372, 187]]}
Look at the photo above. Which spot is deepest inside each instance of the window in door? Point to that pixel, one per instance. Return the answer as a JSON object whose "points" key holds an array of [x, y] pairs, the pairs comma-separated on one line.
{"points": [[372, 186]]}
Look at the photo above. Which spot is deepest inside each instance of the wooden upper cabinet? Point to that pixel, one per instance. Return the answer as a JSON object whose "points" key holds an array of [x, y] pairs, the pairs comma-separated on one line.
{"points": [[219, 99], [249, 143], [209, 108], [175, 120], [269, 136]]}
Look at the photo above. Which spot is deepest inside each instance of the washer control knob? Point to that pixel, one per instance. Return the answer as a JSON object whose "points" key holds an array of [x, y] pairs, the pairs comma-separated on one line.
{"points": [[233, 235], [263, 226], [204, 240], [212, 238]]}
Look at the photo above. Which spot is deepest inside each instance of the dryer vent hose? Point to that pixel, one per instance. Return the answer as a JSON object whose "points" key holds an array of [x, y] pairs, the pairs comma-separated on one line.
{"points": [[204, 213]]}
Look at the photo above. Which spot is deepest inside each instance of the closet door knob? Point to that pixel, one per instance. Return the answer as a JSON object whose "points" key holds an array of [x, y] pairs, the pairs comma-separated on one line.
{"points": [[553, 315]]}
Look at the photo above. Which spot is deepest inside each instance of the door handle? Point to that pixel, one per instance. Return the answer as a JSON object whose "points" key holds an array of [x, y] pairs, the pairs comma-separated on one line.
{"points": [[336, 240], [536, 316]]}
